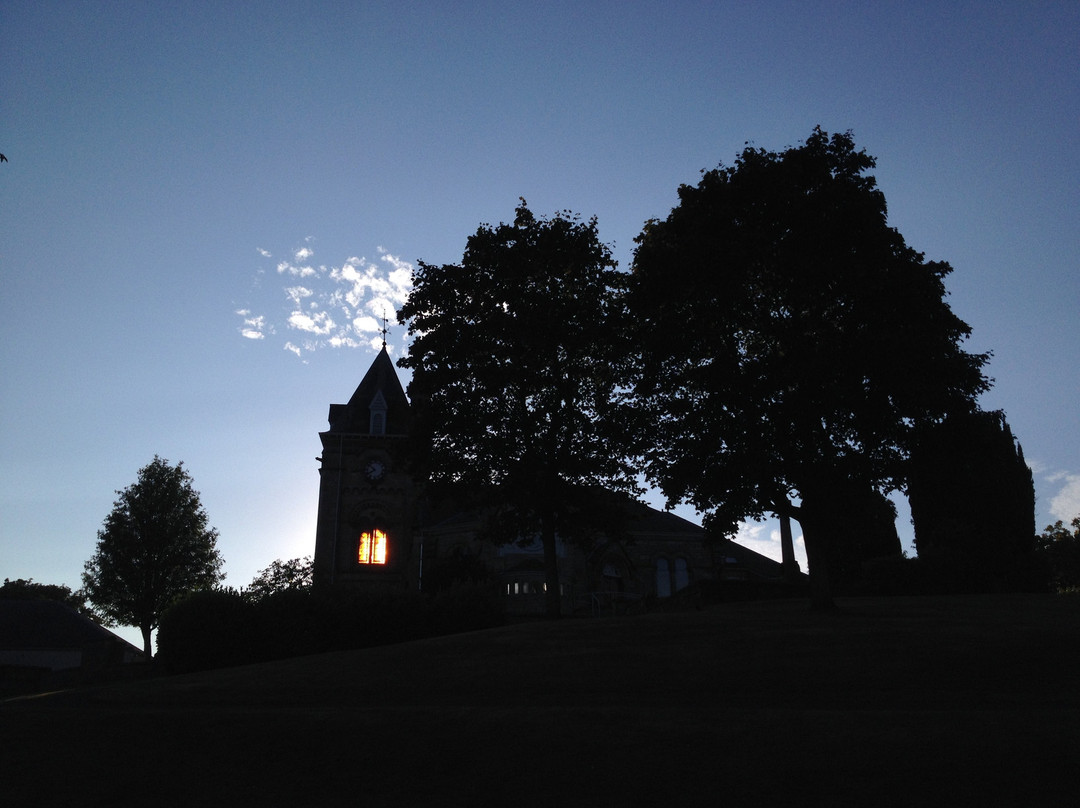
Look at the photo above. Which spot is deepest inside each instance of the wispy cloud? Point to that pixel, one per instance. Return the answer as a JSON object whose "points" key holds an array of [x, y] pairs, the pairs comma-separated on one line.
{"points": [[340, 306], [320, 324], [254, 327]]}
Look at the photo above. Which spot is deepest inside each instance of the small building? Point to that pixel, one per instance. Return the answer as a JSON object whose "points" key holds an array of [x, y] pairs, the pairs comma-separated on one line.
{"points": [[43, 637]]}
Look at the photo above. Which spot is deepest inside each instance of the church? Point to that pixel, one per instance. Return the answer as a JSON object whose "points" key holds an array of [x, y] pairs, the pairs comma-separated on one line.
{"points": [[375, 529]]}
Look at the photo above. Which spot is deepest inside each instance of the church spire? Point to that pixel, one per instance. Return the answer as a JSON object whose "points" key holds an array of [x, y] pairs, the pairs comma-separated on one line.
{"points": [[379, 404]]}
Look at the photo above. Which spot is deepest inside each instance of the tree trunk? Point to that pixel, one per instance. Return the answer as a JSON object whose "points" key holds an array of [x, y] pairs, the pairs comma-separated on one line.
{"points": [[552, 598], [789, 565], [148, 649], [817, 534]]}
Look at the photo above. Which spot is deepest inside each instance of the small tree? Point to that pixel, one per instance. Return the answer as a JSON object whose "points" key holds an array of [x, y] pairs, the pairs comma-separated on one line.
{"points": [[155, 547], [1061, 549], [294, 575]]}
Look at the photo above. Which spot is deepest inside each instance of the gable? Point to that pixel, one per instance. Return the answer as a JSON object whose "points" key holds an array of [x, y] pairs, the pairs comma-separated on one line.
{"points": [[378, 406]]}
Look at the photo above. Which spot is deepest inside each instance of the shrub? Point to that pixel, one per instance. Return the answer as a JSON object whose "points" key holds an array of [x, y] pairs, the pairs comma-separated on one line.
{"points": [[209, 629], [467, 607]]}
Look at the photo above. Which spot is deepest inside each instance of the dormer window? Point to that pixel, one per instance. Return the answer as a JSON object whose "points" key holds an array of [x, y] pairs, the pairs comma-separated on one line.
{"points": [[377, 408]]}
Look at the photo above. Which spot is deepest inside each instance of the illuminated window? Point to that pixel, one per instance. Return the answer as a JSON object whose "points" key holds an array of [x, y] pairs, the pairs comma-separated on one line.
{"points": [[372, 547], [533, 588]]}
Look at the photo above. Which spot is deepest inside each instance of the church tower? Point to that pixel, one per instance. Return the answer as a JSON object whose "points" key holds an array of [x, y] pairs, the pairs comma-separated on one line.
{"points": [[365, 525]]}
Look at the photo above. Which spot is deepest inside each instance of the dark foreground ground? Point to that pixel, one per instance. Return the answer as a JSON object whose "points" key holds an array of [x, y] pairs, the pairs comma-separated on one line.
{"points": [[890, 702]]}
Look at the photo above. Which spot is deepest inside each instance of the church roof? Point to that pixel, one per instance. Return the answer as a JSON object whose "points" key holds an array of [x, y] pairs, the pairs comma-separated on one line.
{"points": [[379, 391]]}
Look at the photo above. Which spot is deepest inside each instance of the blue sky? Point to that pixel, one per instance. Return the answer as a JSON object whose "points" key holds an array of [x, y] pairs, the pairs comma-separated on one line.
{"points": [[173, 168]]}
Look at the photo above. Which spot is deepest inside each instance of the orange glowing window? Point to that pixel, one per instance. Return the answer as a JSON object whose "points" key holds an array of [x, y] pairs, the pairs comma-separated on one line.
{"points": [[372, 547]]}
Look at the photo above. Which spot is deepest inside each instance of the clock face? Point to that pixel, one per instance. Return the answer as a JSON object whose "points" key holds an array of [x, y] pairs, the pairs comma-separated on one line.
{"points": [[374, 470]]}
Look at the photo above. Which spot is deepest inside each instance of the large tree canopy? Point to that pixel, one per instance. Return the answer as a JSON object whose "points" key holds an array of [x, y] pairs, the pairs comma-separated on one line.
{"points": [[791, 339], [155, 546], [516, 355]]}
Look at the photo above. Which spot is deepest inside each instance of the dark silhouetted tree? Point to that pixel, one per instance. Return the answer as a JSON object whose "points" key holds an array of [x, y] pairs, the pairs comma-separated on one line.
{"points": [[790, 341], [294, 575], [1061, 550], [456, 568], [973, 502], [516, 356], [28, 589], [863, 529], [155, 547]]}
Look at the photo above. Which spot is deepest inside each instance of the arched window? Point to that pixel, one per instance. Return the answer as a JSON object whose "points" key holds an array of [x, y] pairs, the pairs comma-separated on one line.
{"points": [[377, 408], [663, 578], [611, 578], [373, 547], [682, 574]]}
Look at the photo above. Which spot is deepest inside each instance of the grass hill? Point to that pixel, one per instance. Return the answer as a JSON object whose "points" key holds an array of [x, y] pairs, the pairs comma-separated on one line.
{"points": [[888, 702]]}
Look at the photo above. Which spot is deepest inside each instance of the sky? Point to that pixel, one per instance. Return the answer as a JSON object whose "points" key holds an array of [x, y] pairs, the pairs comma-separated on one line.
{"points": [[207, 208]]}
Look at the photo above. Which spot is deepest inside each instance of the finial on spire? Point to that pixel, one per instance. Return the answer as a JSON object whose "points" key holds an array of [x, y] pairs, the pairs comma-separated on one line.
{"points": [[385, 331]]}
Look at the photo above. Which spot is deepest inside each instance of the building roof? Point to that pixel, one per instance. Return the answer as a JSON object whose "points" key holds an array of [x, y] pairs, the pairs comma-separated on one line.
{"points": [[49, 624], [646, 519], [382, 380], [648, 522]]}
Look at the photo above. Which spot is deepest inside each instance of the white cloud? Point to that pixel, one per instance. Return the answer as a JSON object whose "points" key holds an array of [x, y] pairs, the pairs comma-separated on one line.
{"points": [[340, 306], [297, 293], [285, 268], [338, 341], [757, 537], [254, 327], [764, 538], [320, 324], [382, 307], [1065, 505], [366, 324]]}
